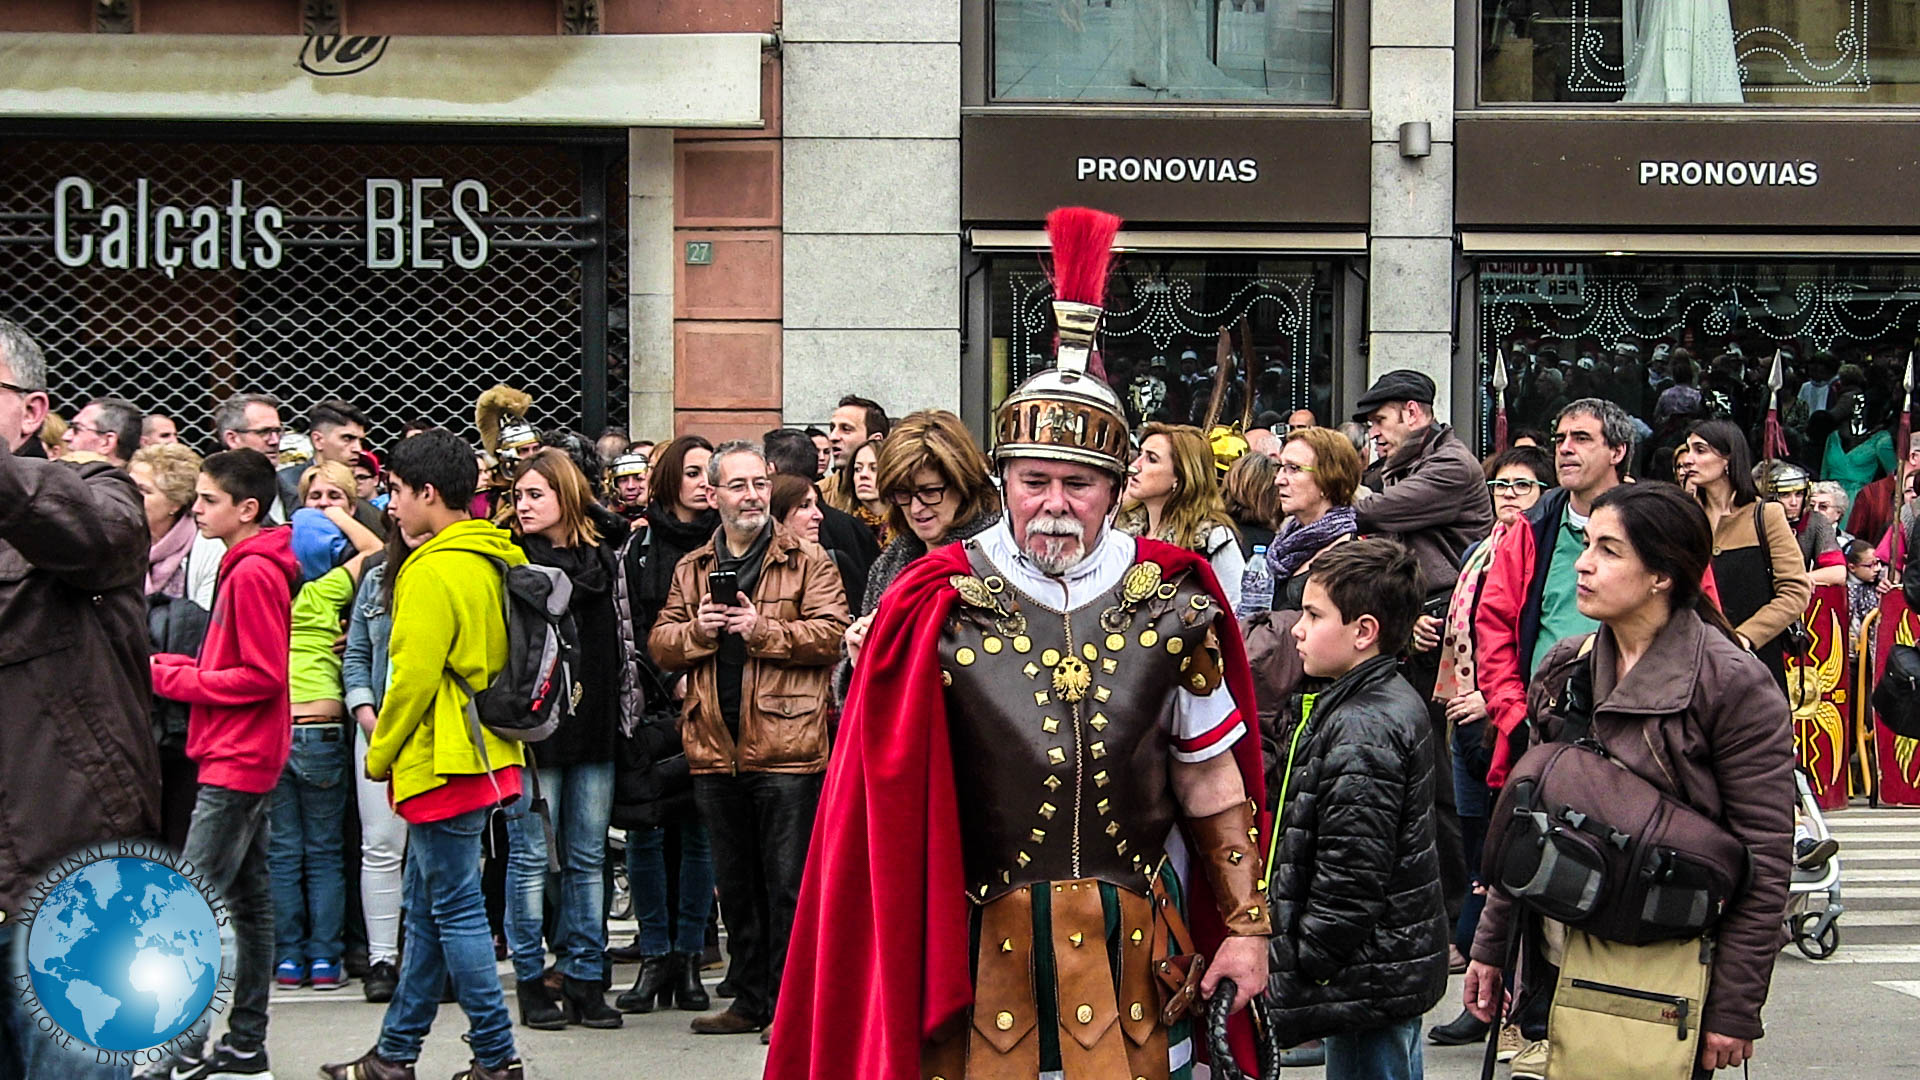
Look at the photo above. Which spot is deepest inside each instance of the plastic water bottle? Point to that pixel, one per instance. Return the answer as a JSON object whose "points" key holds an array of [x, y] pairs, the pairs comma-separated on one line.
{"points": [[1256, 584]]}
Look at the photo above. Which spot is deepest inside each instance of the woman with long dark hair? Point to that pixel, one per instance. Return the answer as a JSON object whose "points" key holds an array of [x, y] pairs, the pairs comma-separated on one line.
{"points": [[558, 524], [1679, 702], [673, 845], [1757, 567]]}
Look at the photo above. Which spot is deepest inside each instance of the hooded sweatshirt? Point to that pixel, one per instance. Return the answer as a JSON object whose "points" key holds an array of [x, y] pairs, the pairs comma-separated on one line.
{"points": [[240, 725], [447, 620]]}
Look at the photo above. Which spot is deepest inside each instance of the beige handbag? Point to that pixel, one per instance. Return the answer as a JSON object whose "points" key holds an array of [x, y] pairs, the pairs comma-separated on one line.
{"points": [[1627, 1010]]}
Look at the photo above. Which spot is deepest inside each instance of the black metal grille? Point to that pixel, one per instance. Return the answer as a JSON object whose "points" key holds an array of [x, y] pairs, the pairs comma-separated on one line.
{"points": [[399, 342]]}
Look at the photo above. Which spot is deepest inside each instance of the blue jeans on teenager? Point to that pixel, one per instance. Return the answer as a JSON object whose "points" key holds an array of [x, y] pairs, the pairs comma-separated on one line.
{"points": [[681, 927], [306, 849], [1391, 1052], [447, 935], [579, 800]]}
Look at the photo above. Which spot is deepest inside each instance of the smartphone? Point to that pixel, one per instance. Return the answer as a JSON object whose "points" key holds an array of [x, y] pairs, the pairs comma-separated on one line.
{"points": [[724, 587]]}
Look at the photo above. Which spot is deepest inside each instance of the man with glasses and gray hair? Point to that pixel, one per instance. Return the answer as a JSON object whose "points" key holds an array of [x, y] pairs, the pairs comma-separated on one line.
{"points": [[249, 421], [73, 674], [107, 426], [754, 618]]}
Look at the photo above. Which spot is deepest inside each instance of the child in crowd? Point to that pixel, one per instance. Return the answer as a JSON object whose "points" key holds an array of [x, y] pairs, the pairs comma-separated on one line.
{"points": [[448, 629], [1866, 583], [310, 803], [1359, 950], [238, 733]]}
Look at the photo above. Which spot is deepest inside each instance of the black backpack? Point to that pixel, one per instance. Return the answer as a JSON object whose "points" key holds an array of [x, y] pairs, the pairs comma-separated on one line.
{"points": [[535, 691]]}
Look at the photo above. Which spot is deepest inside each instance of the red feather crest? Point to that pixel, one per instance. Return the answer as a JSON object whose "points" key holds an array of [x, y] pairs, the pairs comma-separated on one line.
{"points": [[1082, 242]]}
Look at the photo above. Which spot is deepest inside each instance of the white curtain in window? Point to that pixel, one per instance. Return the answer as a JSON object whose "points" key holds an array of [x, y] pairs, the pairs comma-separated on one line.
{"points": [[1680, 51]]}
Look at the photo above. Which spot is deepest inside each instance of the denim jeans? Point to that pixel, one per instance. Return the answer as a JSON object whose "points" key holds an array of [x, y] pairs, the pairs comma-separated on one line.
{"points": [[447, 936], [305, 856], [227, 843], [761, 824], [26, 1051], [579, 800], [383, 850], [1391, 1052], [667, 926]]}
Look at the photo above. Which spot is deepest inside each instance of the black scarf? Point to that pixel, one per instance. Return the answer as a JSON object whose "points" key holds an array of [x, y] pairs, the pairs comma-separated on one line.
{"points": [[668, 541], [907, 547]]}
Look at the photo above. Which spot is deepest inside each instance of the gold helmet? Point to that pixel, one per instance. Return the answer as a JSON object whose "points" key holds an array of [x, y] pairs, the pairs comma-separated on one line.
{"points": [[1068, 412]]}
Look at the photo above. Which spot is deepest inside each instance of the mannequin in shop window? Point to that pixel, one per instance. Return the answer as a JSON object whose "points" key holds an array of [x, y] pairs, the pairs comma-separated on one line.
{"points": [[1859, 451], [1680, 51]]}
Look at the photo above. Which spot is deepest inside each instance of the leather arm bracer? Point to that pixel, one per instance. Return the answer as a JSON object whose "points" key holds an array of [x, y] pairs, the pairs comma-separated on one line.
{"points": [[1227, 849]]}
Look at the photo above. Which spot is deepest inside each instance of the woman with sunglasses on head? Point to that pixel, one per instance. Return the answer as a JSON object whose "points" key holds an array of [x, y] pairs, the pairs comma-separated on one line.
{"points": [[1757, 566], [1172, 496], [939, 490]]}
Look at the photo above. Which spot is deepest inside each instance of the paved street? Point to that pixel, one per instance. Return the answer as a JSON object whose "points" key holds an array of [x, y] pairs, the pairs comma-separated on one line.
{"points": [[1852, 1017]]}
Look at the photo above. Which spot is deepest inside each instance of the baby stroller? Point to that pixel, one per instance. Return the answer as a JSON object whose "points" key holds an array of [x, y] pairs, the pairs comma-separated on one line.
{"points": [[1813, 923]]}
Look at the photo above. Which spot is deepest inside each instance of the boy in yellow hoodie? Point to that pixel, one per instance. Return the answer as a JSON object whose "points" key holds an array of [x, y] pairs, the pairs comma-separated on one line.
{"points": [[448, 620]]}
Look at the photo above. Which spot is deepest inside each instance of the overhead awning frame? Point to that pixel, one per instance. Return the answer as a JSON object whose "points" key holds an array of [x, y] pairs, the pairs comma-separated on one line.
{"points": [[1266, 243]]}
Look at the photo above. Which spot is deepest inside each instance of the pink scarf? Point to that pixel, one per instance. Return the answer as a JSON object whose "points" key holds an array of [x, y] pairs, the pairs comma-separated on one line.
{"points": [[167, 559], [1456, 642]]}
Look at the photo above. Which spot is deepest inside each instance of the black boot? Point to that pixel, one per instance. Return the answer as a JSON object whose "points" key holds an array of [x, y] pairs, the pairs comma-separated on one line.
{"points": [[689, 993], [653, 984], [586, 1003], [537, 1008], [1460, 1031]]}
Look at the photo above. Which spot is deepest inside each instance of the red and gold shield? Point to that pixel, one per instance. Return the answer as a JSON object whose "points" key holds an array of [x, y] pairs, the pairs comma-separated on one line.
{"points": [[1817, 692], [1898, 774]]}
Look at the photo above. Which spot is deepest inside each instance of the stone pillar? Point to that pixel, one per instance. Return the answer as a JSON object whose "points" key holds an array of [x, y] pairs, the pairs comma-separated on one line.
{"points": [[650, 262], [1410, 293], [871, 204]]}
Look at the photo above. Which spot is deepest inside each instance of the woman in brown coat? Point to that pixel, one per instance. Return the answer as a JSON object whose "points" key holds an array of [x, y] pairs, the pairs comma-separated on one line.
{"points": [[1684, 706]]}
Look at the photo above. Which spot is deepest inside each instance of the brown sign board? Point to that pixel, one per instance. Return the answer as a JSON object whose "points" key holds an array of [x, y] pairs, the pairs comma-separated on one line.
{"points": [[1686, 174], [1255, 169]]}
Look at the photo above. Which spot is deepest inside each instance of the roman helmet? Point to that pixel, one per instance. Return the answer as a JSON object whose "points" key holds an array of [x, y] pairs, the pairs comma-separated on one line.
{"points": [[1067, 412], [1777, 478]]}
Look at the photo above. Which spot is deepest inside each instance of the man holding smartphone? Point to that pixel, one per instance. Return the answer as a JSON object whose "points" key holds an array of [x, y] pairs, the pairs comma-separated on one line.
{"points": [[754, 618]]}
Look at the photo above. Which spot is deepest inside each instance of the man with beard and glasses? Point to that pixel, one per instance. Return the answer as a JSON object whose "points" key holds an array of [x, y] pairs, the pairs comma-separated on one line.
{"points": [[1042, 774], [755, 722]]}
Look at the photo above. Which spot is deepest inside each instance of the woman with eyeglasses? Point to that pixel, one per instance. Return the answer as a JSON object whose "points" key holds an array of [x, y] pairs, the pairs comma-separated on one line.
{"points": [[939, 490], [1757, 566], [1172, 496], [1318, 476], [1515, 480]]}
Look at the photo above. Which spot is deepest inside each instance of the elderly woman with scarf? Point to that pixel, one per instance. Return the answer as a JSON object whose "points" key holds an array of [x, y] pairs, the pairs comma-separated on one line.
{"points": [[939, 490], [1319, 474]]}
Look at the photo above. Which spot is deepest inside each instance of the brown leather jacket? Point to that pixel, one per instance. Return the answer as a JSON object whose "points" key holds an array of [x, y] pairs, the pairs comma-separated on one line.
{"points": [[785, 704], [77, 759], [1699, 718]]}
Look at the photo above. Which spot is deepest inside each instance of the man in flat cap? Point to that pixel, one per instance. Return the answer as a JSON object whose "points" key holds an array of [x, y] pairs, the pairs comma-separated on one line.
{"points": [[1431, 496]]}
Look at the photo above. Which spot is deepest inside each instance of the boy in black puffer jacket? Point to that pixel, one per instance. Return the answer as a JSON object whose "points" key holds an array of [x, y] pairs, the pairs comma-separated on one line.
{"points": [[1359, 949]]}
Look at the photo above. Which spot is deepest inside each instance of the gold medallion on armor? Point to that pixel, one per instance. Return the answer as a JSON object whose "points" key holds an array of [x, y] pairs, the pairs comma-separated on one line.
{"points": [[1071, 678]]}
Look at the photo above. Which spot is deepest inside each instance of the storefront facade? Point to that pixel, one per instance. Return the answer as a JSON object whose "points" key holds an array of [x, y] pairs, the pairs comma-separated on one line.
{"points": [[1194, 124]]}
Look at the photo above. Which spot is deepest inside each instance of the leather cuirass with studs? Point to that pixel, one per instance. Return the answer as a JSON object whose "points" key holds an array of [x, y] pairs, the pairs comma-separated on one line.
{"points": [[1060, 724]]}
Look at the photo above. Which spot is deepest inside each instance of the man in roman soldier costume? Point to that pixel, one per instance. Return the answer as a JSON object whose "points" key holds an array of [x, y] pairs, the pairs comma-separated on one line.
{"points": [[1045, 769]]}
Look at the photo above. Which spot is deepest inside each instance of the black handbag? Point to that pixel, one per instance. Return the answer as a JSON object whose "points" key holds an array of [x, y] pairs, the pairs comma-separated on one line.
{"points": [[1896, 698]]}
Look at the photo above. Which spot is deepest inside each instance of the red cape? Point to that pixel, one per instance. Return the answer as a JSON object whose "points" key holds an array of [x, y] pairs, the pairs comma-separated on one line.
{"points": [[877, 963]]}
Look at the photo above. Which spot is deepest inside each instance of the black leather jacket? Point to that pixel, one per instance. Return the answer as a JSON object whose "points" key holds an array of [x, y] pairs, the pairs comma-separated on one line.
{"points": [[1360, 937]]}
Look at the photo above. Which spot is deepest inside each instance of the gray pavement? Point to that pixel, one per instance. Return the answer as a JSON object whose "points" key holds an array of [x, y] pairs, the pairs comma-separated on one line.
{"points": [[1856, 1015]]}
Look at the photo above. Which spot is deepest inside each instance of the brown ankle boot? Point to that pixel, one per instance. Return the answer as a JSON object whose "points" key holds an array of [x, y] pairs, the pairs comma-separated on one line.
{"points": [[369, 1066], [726, 1023]]}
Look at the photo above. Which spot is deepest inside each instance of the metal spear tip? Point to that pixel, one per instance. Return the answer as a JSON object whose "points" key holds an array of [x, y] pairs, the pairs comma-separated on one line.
{"points": [[1777, 378], [1500, 382], [1909, 379]]}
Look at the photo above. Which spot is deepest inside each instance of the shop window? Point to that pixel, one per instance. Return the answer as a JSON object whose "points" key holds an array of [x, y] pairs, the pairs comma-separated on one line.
{"points": [[1163, 50], [1163, 332], [1674, 343], [1699, 52]]}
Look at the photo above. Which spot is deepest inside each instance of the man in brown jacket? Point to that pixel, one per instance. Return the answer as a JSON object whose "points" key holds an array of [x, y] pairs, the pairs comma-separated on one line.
{"points": [[77, 759], [1429, 494], [756, 715]]}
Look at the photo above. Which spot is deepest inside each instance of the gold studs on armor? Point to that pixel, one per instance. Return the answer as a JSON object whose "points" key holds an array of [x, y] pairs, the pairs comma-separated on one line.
{"points": [[1174, 645], [1003, 1020], [1084, 1014], [1077, 938], [1040, 697], [1100, 778], [1022, 644], [1047, 810], [1050, 658], [1050, 725], [963, 656], [1137, 1011], [1056, 755], [1097, 750], [1051, 783], [993, 645], [1102, 693], [1089, 651], [1108, 665], [1149, 638], [1116, 642], [1099, 722], [1030, 670]]}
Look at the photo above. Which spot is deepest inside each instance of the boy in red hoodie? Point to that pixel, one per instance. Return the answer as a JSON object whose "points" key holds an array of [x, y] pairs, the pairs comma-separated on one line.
{"points": [[238, 732]]}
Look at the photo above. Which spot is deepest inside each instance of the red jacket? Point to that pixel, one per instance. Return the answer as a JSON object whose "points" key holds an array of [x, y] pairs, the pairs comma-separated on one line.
{"points": [[1509, 610], [241, 725]]}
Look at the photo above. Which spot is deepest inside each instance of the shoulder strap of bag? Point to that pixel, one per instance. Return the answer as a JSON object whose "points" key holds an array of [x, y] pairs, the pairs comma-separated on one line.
{"points": [[1760, 538], [1576, 698]]}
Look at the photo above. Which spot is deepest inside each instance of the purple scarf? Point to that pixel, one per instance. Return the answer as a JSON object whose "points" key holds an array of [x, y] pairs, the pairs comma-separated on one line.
{"points": [[167, 558], [1302, 542]]}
